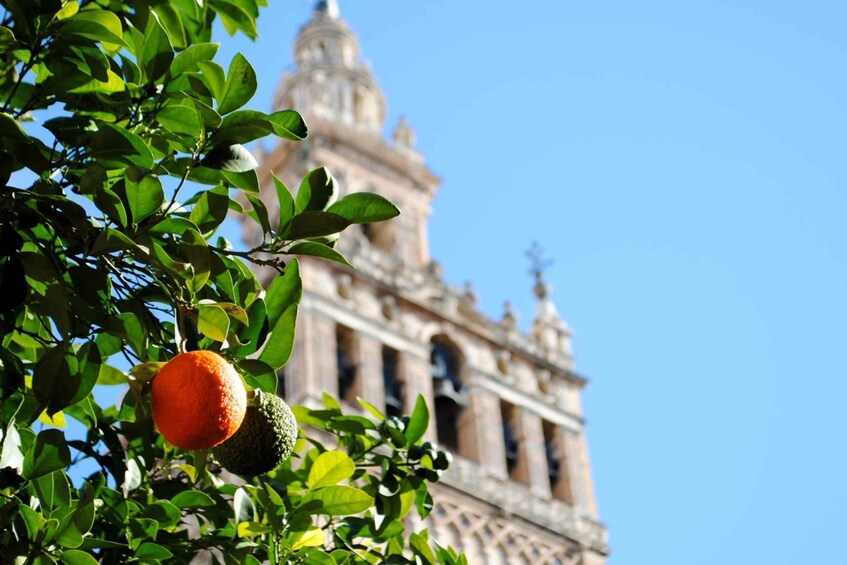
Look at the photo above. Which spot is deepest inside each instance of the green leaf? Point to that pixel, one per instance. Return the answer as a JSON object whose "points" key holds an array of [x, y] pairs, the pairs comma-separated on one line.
{"points": [[243, 507], [182, 117], [247, 180], [53, 381], [187, 61], [313, 223], [239, 87], [259, 213], [194, 248], [174, 225], [67, 534], [313, 537], [259, 374], [234, 311], [232, 158], [317, 191], [420, 547], [340, 500], [284, 291], [210, 209], [113, 84], [164, 512], [114, 144], [249, 529], [192, 499], [157, 53], [318, 250], [418, 422], [53, 491], [49, 453], [289, 124], [110, 376], [110, 203], [286, 203], [215, 77], [144, 194], [172, 22], [280, 342], [77, 557], [329, 469], [380, 417], [235, 17], [212, 321], [251, 336], [330, 402], [364, 207], [99, 25], [152, 551]]}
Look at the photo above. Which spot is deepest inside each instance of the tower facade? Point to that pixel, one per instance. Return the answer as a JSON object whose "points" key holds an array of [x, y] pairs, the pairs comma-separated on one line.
{"points": [[505, 403]]}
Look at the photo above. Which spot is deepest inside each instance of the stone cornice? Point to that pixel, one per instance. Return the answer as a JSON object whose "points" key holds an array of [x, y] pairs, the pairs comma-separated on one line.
{"points": [[514, 342]]}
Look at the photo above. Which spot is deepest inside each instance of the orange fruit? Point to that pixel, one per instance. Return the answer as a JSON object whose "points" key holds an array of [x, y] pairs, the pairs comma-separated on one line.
{"points": [[199, 400]]}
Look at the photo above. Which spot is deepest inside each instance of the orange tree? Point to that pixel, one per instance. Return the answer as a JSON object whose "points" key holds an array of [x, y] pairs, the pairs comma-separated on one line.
{"points": [[120, 155]]}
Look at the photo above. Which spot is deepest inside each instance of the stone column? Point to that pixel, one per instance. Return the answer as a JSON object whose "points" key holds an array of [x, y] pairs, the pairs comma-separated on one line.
{"points": [[296, 369], [579, 473], [587, 480], [321, 373], [485, 409], [370, 385], [532, 445]]}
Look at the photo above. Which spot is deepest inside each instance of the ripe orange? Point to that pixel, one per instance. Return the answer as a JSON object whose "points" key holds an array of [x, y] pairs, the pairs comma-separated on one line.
{"points": [[199, 400]]}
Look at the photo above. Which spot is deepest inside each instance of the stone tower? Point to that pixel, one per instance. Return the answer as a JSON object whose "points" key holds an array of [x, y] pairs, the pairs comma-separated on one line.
{"points": [[507, 404]]}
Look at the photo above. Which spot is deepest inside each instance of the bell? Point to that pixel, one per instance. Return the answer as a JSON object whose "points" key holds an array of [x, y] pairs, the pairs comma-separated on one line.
{"points": [[393, 404], [444, 389]]}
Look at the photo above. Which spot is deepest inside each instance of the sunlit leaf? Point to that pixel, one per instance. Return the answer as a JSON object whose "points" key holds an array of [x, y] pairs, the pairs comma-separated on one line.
{"points": [[213, 321], [364, 207], [340, 500], [330, 468], [239, 87], [317, 191], [280, 342]]}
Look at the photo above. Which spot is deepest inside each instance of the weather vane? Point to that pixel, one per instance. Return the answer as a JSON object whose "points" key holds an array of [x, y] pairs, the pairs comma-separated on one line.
{"points": [[538, 263]]}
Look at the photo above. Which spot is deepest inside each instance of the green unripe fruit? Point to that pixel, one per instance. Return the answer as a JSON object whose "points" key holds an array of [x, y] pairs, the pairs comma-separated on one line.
{"points": [[264, 440], [442, 461]]}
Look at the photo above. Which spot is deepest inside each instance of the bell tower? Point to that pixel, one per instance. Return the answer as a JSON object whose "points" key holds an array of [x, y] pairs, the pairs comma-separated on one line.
{"points": [[504, 402]]}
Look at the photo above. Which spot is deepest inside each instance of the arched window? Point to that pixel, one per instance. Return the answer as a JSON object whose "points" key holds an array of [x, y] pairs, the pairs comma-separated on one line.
{"points": [[510, 437], [345, 356], [383, 235], [392, 383], [448, 390]]}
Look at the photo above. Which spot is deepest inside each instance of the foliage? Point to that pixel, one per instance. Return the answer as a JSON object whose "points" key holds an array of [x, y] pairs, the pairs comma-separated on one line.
{"points": [[121, 152]]}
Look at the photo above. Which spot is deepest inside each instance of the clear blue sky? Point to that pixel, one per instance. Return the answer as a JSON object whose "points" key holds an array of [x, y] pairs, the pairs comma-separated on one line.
{"points": [[684, 163]]}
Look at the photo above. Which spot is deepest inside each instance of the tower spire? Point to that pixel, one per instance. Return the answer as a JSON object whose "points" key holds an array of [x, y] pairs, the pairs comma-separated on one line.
{"points": [[328, 7], [548, 329]]}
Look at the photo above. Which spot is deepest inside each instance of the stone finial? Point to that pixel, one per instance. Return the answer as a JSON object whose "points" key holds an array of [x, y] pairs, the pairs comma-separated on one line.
{"points": [[509, 321], [404, 141], [469, 297], [404, 135]]}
